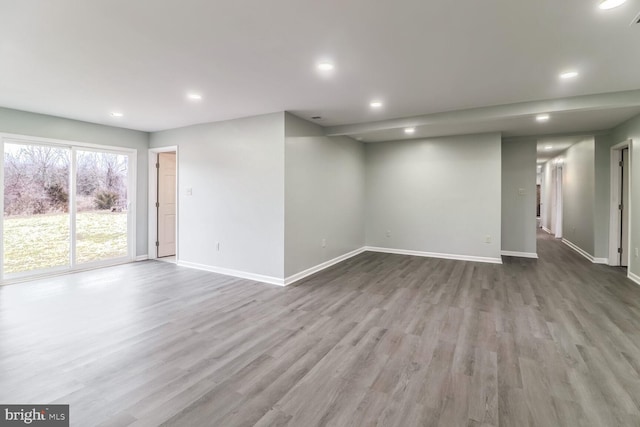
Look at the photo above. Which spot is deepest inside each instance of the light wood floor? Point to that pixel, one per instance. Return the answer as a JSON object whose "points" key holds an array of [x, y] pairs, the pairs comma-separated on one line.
{"points": [[377, 340]]}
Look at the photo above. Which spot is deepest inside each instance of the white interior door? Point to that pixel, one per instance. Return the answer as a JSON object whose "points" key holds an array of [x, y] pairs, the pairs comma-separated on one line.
{"points": [[166, 204], [624, 212]]}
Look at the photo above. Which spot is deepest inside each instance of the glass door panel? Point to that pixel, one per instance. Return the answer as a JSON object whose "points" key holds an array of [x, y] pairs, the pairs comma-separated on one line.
{"points": [[101, 206], [36, 231]]}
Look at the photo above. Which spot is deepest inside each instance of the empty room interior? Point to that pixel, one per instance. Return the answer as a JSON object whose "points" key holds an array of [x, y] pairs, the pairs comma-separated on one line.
{"points": [[291, 213]]}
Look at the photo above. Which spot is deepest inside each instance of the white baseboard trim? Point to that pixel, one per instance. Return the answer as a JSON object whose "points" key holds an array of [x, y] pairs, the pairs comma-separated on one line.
{"points": [[545, 229], [142, 258], [520, 254], [434, 255], [234, 273], [633, 277], [309, 271], [269, 279], [578, 249], [585, 254]]}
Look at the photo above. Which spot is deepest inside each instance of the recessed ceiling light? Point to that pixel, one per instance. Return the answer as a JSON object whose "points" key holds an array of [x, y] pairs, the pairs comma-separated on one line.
{"points": [[325, 66], [194, 96], [610, 4], [409, 130], [548, 147], [376, 104], [569, 75], [116, 114], [542, 117]]}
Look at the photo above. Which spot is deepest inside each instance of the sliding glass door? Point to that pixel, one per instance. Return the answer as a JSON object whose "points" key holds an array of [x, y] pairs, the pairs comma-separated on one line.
{"points": [[65, 207], [36, 226], [101, 206]]}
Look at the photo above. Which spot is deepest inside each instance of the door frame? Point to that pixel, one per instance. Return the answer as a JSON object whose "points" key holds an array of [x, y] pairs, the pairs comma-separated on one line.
{"points": [[153, 195], [73, 147], [615, 200]]}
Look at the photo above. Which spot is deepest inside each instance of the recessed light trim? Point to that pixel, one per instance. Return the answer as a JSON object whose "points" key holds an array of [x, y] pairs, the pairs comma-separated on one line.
{"points": [[542, 117], [116, 114], [326, 66], [610, 4], [409, 130], [375, 104], [568, 75]]}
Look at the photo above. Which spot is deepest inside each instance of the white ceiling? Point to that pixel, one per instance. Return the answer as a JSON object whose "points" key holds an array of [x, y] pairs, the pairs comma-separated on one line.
{"points": [[557, 144], [84, 59], [526, 125]]}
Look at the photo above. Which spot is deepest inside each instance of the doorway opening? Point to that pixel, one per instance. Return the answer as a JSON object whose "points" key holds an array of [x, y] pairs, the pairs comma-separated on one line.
{"points": [[619, 211], [163, 204]]}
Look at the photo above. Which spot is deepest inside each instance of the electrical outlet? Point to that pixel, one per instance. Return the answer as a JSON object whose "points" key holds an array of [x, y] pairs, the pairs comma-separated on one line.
{"points": [[388, 233], [522, 191], [189, 191], [637, 253], [323, 243], [487, 239]]}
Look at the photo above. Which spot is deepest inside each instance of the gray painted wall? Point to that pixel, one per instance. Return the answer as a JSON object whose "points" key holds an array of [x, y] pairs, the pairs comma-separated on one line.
{"points": [[578, 189], [40, 125], [603, 145], [236, 172], [440, 195], [324, 195], [518, 209], [631, 130]]}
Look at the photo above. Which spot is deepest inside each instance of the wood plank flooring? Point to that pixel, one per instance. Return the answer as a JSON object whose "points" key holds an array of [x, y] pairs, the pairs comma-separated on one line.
{"points": [[380, 339]]}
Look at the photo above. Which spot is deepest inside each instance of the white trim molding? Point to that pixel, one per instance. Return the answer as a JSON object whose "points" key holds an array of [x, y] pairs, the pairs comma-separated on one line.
{"points": [[633, 277], [270, 279], [546, 230], [234, 273], [142, 258], [434, 255], [309, 271], [578, 249], [520, 254], [584, 253]]}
